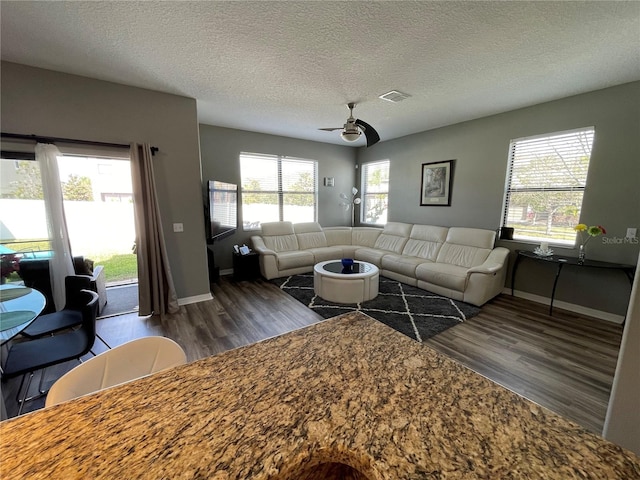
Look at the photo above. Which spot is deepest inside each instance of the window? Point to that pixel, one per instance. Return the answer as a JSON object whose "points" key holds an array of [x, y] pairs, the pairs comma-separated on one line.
{"points": [[21, 198], [546, 178], [375, 192], [277, 188]]}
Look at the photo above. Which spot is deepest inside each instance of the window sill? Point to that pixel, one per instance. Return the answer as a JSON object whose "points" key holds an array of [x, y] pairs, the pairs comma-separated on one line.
{"points": [[537, 244]]}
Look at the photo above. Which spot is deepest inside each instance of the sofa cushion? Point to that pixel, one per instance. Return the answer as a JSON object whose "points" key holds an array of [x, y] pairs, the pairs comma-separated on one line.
{"points": [[370, 255], [276, 228], [466, 247], [462, 255], [394, 236], [310, 235], [322, 254], [473, 237], [402, 264], [445, 275], [279, 236], [83, 266], [338, 235], [365, 236], [295, 259], [425, 241]]}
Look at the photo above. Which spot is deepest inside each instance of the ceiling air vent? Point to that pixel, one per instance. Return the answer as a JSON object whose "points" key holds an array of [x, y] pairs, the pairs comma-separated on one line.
{"points": [[394, 96]]}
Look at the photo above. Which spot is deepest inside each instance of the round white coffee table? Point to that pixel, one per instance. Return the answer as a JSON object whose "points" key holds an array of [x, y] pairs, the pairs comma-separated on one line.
{"points": [[334, 283]]}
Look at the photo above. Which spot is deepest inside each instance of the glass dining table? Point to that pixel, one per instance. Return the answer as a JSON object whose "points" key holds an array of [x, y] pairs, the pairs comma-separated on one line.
{"points": [[19, 306]]}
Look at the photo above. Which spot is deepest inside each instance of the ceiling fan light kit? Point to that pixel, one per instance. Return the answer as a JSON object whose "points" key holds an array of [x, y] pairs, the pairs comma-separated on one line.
{"points": [[354, 128], [350, 136]]}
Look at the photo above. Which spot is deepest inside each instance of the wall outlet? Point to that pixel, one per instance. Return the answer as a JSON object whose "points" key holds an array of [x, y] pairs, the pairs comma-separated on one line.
{"points": [[632, 233], [178, 227]]}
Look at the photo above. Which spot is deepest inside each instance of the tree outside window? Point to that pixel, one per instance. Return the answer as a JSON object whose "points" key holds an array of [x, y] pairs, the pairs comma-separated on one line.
{"points": [[28, 186]]}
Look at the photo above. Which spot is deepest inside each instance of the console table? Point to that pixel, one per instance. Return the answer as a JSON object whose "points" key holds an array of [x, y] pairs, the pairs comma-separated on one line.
{"points": [[560, 262]]}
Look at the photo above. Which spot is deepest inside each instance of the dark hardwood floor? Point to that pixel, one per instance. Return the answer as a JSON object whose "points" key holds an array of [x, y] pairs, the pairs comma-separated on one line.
{"points": [[565, 362]]}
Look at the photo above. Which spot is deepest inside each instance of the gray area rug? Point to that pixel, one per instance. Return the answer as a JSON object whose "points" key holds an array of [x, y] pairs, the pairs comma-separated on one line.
{"points": [[410, 310]]}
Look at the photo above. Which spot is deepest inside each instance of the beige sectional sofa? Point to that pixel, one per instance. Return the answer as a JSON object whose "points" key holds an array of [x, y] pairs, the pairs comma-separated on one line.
{"points": [[460, 263]]}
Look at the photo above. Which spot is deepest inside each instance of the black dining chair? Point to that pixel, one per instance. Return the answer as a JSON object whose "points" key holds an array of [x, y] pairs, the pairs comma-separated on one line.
{"points": [[27, 357], [69, 317]]}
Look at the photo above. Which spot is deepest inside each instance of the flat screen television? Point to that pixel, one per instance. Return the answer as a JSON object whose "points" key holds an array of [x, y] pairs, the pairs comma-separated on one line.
{"points": [[223, 209]]}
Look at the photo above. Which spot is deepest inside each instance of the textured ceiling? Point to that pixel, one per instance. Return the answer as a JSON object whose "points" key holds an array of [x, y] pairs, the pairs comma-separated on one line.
{"points": [[288, 68]]}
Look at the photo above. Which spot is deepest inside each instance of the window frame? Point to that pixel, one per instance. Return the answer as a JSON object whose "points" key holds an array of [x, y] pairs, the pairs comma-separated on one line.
{"points": [[280, 180], [509, 190], [364, 192]]}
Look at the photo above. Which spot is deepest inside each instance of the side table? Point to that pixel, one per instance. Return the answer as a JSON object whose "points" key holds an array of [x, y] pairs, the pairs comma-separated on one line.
{"points": [[246, 267]]}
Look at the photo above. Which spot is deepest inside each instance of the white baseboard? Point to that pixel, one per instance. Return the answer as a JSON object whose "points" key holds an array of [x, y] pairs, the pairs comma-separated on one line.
{"points": [[195, 299], [609, 317], [204, 297]]}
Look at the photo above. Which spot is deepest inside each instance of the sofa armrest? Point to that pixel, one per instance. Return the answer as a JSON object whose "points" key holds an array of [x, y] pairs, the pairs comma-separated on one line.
{"points": [[494, 263], [260, 247], [487, 280], [268, 258]]}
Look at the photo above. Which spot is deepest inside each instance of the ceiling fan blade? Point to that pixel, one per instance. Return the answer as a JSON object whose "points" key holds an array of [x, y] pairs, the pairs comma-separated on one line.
{"points": [[369, 132], [330, 129]]}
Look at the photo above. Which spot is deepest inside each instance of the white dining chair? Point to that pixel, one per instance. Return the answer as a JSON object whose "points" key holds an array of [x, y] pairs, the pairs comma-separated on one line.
{"points": [[124, 363]]}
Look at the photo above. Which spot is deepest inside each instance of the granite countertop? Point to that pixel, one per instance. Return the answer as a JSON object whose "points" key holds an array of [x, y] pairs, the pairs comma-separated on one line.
{"points": [[346, 398]]}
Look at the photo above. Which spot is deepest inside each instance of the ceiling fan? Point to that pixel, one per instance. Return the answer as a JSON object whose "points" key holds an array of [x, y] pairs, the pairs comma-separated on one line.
{"points": [[355, 127]]}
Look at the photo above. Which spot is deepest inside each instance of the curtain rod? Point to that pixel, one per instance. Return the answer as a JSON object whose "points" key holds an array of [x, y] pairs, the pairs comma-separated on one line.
{"points": [[38, 138]]}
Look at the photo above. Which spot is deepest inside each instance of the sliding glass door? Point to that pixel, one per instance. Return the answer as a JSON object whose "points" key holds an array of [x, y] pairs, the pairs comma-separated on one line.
{"points": [[98, 209], [98, 204]]}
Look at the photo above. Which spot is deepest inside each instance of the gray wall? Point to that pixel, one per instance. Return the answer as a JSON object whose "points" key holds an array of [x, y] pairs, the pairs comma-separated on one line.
{"points": [[480, 148], [221, 148], [43, 102], [622, 423]]}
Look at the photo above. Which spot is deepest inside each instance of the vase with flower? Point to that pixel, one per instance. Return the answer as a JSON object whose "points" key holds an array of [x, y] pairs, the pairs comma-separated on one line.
{"points": [[590, 232]]}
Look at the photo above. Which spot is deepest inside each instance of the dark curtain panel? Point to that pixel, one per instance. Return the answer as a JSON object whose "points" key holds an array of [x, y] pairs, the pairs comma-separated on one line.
{"points": [[155, 283]]}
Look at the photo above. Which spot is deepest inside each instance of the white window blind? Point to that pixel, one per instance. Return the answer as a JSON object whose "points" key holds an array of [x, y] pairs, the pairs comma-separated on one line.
{"points": [[375, 192], [546, 179], [277, 188]]}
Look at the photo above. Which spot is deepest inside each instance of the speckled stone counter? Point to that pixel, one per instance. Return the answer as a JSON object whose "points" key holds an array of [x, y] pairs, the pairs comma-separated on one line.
{"points": [[347, 398]]}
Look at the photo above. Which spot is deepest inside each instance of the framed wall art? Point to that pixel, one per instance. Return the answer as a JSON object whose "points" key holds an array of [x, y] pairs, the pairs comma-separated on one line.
{"points": [[437, 178]]}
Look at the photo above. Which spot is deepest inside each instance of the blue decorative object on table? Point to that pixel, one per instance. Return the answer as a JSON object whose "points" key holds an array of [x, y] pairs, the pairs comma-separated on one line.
{"points": [[347, 265], [347, 262]]}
